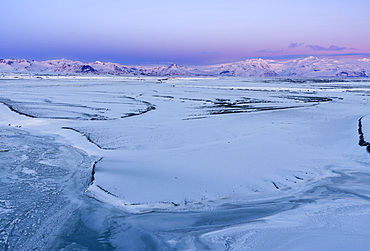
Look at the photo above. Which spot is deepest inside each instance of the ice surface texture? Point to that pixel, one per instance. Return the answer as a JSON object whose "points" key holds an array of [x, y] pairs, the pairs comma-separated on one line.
{"points": [[39, 180]]}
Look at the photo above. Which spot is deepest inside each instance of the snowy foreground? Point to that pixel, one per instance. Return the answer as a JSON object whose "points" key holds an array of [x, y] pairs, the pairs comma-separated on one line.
{"points": [[102, 163]]}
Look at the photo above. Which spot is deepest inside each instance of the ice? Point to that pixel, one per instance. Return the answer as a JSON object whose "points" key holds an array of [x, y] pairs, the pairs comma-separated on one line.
{"points": [[34, 197], [188, 163]]}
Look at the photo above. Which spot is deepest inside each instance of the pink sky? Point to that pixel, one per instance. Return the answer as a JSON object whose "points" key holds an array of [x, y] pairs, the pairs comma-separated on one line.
{"points": [[186, 32]]}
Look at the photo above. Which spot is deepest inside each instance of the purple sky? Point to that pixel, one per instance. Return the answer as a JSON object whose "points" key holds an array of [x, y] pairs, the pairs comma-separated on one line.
{"points": [[186, 32]]}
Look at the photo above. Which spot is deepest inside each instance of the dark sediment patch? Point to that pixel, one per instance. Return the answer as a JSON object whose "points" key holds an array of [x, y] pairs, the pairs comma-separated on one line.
{"points": [[252, 109], [225, 106], [192, 118], [276, 186], [162, 80], [15, 110], [148, 109], [307, 99], [106, 191], [163, 96], [87, 136], [30, 109], [362, 141], [49, 110], [93, 170], [197, 100]]}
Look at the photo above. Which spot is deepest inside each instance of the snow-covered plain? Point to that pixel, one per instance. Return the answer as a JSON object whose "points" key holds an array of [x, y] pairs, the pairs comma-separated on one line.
{"points": [[214, 163]]}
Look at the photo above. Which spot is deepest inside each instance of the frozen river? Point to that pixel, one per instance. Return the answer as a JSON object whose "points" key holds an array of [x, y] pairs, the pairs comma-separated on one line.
{"points": [[104, 163]]}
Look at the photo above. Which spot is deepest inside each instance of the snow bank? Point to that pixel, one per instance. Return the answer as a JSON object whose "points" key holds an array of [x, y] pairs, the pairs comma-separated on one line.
{"points": [[194, 142]]}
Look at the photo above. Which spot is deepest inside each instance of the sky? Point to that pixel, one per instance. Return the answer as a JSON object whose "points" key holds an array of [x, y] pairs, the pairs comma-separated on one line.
{"points": [[187, 32]]}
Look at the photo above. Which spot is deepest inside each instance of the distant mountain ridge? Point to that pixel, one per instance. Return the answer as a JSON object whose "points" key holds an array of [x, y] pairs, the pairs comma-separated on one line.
{"points": [[308, 67]]}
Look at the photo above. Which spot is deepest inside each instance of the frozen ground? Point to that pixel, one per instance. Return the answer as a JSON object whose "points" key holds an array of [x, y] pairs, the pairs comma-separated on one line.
{"points": [[192, 163]]}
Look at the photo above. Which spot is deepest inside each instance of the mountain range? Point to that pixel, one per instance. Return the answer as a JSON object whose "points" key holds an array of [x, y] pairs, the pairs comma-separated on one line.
{"points": [[308, 67]]}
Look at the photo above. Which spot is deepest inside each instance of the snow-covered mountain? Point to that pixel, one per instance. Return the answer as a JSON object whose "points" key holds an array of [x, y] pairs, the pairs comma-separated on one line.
{"points": [[309, 67], [247, 68], [326, 67], [68, 66]]}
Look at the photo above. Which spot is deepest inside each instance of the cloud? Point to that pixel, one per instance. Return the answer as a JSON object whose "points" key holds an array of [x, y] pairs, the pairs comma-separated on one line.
{"points": [[295, 45], [330, 48], [269, 51]]}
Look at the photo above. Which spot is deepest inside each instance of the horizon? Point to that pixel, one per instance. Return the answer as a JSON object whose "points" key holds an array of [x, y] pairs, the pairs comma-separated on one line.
{"points": [[187, 33], [276, 58]]}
